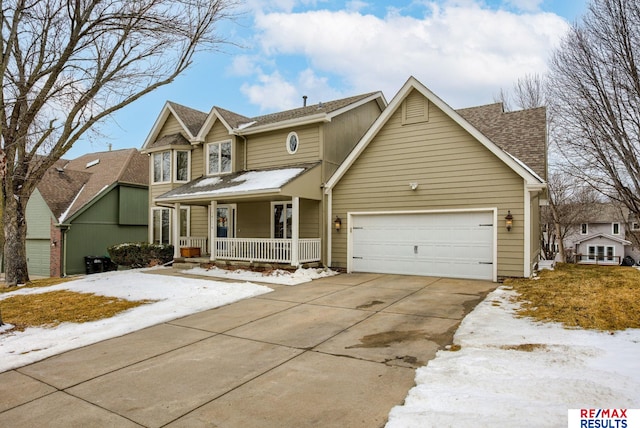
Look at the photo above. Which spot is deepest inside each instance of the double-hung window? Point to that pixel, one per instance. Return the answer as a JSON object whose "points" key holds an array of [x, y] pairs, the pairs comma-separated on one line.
{"points": [[162, 167], [615, 228], [161, 226], [584, 229], [218, 158], [182, 165]]}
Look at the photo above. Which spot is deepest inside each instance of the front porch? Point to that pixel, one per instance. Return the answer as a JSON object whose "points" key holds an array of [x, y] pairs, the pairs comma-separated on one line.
{"points": [[254, 250]]}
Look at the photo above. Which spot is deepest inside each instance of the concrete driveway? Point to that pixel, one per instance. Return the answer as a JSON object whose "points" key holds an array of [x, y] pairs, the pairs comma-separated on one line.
{"points": [[336, 352]]}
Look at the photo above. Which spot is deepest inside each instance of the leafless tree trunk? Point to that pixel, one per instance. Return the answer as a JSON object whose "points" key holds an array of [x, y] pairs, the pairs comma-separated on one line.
{"points": [[596, 89], [67, 65]]}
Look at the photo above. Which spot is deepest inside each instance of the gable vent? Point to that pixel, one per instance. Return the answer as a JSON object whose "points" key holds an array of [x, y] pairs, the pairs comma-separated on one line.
{"points": [[415, 109]]}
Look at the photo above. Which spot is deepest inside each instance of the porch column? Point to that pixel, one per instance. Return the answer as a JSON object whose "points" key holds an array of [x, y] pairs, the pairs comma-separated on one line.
{"points": [[295, 230], [213, 231], [176, 230]]}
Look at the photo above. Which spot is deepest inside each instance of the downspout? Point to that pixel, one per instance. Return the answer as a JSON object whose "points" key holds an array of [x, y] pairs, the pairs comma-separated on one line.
{"points": [[63, 261], [329, 195]]}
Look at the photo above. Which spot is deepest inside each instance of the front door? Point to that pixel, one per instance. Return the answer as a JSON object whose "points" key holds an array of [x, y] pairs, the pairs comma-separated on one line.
{"points": [[282, 216], [225, 221]]}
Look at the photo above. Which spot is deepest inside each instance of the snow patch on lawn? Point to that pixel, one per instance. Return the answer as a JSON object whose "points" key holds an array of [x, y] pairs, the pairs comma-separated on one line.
{"points": [[278, 276], [176, 297], [516, 372]]}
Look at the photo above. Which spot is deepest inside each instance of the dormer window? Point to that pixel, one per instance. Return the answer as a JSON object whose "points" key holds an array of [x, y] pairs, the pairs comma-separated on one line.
{"points": [[218, 158], [292, 143]]}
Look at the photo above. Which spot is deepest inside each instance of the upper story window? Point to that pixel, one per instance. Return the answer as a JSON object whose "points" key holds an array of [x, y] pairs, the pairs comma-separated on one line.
{"points": [[182, 165], [292, 143], [615, 228], [218, 157], [584, 229], [162, 167], [635, 225]]}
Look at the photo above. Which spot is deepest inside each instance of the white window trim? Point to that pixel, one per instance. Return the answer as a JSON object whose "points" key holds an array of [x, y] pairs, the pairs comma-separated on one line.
{"points": [[233, 208], [273, 204], [605, 256], [586, 232], [206, 157], [292, 152], [188, 210], [174, 176], [613, 228], [153, 168], [152, 211]]}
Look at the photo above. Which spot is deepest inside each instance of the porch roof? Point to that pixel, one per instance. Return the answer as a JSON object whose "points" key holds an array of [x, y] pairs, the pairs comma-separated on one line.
{"points": [[301, 180], [605, 237]]}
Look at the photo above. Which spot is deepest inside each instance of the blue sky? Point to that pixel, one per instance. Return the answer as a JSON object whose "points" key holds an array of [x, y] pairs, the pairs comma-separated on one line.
{"points": [[463, 50]]}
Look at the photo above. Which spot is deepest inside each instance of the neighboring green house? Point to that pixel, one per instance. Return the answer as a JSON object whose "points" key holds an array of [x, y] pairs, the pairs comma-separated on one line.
{"points": [[85, 205]]}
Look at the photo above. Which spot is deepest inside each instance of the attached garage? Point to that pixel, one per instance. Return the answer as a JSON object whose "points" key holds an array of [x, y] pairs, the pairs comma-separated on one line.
{"points": [[447, 244]]}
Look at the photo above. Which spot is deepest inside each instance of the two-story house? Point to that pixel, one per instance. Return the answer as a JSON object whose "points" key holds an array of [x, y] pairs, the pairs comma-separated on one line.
{"points": [[250, 189], [601, 236], [412, 187]]}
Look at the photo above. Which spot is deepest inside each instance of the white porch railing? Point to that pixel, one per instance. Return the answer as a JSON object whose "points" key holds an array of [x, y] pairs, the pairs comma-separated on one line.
{"points": [[267, 250], [195, 241]]}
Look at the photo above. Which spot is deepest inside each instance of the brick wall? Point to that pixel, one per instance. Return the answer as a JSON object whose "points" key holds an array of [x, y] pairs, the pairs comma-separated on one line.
{"points": [[55, 264]]}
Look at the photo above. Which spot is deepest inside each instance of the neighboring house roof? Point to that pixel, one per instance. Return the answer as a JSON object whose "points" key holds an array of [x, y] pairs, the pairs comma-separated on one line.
{"points": [[604, 213], [521, 133], [68, 186], [244, 183], [605, 236], [196, 124], [532, 179]]}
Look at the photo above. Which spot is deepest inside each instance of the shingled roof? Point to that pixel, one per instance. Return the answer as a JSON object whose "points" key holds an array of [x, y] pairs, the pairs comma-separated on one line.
{"points": [[520, 133], [194, 119], [69, 185]]}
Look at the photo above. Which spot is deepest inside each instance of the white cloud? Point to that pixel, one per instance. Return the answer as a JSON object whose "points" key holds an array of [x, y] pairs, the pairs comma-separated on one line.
{"points": [[462, 51], [271, 92]]}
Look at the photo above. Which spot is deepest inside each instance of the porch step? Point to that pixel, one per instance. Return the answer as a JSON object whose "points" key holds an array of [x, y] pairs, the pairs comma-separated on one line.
{"points": [[185, 265]]}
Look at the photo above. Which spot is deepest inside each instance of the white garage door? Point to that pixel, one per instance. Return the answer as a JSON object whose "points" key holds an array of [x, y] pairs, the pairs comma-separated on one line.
{"points": [[457, 245]]}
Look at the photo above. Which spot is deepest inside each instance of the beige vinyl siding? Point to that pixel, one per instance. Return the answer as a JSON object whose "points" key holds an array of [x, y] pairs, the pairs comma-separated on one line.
{"points": [[253, 220], [171, 126], [197, 162], [269, 150], [310, 219], [156, 190], [343, 133], [453, 171], [199, 222]]}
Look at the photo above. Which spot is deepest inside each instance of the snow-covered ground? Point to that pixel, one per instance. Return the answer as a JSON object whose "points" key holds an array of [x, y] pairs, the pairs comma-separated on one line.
{"points": [[176, 297], [277, 276], [508, 372], [514, 372]]}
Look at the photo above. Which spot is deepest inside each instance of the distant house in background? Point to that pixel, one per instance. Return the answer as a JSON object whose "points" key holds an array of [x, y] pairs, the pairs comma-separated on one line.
{"points": [[85, 205], [602, 238]]}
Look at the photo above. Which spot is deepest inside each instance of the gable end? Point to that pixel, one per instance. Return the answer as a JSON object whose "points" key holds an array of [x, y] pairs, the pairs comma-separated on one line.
{"points": [[415, 109]]}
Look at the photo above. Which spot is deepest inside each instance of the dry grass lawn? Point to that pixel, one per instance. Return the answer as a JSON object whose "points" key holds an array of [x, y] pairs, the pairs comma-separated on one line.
{"points": [[603, 298], [52, 308]]}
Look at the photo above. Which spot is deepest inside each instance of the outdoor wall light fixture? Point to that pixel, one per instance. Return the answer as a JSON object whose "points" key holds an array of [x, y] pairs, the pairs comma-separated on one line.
{"points": [[337, 223], [509, 221], [413, 185]]}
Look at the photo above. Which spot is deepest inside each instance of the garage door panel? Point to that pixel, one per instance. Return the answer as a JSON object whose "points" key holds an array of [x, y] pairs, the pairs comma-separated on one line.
{"points": [[453, 244]]}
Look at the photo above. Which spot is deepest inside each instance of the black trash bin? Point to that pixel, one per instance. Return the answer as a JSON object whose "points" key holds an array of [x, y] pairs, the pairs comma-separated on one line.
{"points": [[93, 264]]}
